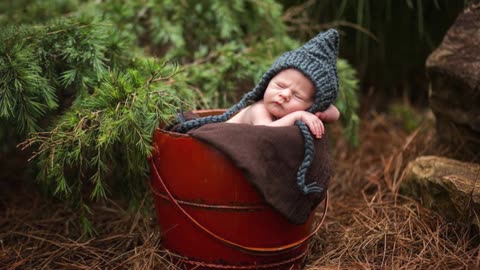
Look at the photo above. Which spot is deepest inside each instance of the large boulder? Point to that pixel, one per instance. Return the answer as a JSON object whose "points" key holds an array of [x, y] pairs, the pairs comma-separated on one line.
{"points": [[454, 72], [448, 186]]}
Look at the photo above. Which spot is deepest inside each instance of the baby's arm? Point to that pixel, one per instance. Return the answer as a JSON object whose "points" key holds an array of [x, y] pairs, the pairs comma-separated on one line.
{"points": [[311, 120], [257, 114]]}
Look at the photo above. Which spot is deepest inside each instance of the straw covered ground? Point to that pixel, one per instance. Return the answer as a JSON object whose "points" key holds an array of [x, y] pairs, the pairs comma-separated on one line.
{"points": [[368, 226]]}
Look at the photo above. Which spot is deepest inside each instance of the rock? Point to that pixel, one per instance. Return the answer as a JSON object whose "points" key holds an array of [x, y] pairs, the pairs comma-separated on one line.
{"points": [[448, 186], [454, 73]]}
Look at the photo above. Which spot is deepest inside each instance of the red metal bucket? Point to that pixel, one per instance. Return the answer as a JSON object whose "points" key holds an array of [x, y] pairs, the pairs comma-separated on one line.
{"points": [[212, 218]]}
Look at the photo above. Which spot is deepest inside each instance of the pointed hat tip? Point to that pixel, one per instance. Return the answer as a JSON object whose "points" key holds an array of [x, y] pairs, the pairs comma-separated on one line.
{"points": [[331, 36]]}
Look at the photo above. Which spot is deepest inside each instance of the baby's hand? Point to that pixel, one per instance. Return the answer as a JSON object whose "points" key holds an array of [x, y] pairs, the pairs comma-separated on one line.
{"points": [[313, 122], [331, 114]]}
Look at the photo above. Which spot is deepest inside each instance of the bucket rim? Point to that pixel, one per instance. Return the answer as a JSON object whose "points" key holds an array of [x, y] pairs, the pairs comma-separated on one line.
{"points": [[201, 113], [172, 133]]}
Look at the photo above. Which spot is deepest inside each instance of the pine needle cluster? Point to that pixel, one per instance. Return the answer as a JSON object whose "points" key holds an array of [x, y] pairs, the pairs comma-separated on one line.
{"points": [[104, 141], [25, 94], [42, 67]]}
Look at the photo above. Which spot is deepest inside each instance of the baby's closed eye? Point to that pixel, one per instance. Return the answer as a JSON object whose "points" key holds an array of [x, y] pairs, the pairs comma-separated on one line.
{"points": [[298, 95], [281, 85]]}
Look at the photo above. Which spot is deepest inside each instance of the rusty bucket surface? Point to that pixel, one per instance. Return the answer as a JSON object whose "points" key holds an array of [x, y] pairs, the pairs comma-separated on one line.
{"points": [[212, 218]]}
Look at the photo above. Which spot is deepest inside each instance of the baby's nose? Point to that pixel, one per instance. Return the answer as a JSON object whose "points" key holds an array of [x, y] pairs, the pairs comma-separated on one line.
{"points": [[286, 94]]}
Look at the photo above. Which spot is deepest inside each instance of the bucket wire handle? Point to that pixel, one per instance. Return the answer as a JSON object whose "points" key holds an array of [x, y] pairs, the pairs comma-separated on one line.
{"points": [[246, 249]]}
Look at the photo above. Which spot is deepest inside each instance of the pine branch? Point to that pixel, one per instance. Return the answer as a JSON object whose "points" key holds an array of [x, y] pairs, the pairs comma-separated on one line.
{"points": [[88, 145], [25, 95]]}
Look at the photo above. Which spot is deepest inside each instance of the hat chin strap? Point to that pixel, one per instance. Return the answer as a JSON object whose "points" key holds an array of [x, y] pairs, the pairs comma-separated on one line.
{"points": [[309, 154]]}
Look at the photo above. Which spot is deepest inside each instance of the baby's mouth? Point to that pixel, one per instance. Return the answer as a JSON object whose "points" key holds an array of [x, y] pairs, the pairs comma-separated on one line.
{"points": [[278, 104]]}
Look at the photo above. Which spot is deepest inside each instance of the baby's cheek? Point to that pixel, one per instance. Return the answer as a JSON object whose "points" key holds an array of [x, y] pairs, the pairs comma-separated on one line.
{"points": [[301, 106]]}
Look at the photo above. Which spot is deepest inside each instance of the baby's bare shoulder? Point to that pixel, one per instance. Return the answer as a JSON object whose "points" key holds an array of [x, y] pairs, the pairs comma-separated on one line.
{"points": [[259, 105], [253, 114], [257, 109], [258, 114]]}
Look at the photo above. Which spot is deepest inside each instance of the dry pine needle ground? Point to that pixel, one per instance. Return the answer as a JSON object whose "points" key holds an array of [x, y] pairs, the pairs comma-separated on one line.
{"points": [[369, 225]]}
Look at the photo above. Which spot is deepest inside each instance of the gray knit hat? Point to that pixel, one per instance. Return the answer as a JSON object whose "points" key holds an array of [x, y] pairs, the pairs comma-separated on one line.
{"points": [[316, 59]]}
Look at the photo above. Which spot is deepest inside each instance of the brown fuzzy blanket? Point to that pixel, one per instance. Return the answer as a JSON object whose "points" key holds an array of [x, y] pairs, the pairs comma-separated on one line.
{"points": [[269, 158]]}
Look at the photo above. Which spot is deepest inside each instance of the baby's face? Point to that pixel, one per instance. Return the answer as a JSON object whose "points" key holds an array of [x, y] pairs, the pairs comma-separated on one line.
{"points": [[287, 92]]}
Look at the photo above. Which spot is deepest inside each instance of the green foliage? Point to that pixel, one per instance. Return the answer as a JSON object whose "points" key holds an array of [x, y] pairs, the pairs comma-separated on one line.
{"points": [[172, 28], [107, 135], [75, 52], [41, 66], [347, 102], [406, 116], [25, 95], [15, 12]]}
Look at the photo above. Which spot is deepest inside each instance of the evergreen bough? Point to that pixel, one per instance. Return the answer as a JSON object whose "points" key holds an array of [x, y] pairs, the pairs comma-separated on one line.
{"points": [[25, 94], [107, 137]]}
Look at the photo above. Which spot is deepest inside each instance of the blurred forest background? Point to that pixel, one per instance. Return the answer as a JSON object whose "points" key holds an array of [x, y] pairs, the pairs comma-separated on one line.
{"points": [[387, 41], [83, 84]]}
